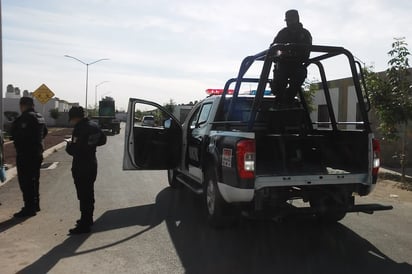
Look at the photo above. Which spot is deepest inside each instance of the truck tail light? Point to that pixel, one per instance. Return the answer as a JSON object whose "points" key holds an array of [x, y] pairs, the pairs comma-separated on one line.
{"points": [[246, 153], [376, 156]]}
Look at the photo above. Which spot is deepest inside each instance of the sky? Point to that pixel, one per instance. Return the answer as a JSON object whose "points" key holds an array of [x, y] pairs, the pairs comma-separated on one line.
{"points": [[160, 50]]}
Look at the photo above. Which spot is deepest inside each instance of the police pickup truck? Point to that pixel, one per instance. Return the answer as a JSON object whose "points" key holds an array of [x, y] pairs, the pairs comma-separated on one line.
{"points": [[245, 153]]}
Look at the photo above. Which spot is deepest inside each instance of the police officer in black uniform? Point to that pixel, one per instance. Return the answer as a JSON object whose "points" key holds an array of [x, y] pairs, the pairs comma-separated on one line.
{"points": [[289, 66], [28, 132], [85, 138]]}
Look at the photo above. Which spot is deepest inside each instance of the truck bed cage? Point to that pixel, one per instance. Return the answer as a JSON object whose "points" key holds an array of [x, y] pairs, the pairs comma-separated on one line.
{"points": [[268, 57]]}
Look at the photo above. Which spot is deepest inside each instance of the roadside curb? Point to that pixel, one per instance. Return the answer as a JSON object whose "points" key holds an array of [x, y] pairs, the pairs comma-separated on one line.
{"points": [[387, 172], [12, 172]]}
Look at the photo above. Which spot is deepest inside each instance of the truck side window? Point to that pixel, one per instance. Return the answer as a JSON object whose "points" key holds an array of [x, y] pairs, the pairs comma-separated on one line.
{"points": [[204, 113]]}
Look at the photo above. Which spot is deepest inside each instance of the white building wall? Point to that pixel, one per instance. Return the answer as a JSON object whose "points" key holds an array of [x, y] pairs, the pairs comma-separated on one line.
{"points": [[351, 111], [63, 106], [319, 99]]}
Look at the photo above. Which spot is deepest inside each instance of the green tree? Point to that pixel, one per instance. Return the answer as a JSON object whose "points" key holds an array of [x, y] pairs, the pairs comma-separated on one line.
{"points": [[391, 97], [310, 87], [170, 106], [138, 115]]}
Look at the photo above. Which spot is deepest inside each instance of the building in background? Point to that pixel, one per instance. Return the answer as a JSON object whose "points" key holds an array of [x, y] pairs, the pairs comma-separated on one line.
{"points": [[181, 111], [11, 107], [346, 111]]}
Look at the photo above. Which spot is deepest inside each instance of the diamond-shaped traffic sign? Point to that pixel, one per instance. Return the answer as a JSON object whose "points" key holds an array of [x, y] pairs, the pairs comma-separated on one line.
{"points": [[43, 94]]}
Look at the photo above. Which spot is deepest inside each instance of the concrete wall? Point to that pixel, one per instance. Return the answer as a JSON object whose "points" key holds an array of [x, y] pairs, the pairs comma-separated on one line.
{"points": [[63, 120]]}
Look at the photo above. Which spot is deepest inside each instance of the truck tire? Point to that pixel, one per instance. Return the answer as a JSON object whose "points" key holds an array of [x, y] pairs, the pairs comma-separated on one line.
{"points": [[216, 207], [171, 177]]}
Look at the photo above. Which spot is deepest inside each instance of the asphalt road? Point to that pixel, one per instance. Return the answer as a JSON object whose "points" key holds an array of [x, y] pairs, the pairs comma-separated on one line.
{"points": [[143, 226]]}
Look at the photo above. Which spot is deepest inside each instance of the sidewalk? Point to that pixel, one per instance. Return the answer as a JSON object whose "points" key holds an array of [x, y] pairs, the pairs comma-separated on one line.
{"points": [[393, 174], [396, 171]]}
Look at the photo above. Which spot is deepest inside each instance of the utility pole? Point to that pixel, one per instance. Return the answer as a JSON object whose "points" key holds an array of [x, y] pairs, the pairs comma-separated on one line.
{"points": [[1, 73], [87, 72]]}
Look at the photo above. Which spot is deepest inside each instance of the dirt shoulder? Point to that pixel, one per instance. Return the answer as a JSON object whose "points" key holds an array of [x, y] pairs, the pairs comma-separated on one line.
{"points": [[391, 190], [55, 136]]}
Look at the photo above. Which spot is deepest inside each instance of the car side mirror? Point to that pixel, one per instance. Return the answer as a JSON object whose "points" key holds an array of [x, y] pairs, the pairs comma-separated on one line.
{"points": [[167, 123]]}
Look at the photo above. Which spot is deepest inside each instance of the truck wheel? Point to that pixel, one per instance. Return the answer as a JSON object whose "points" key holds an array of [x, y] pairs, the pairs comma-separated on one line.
{"points": [[171, 177], [216, 207]]}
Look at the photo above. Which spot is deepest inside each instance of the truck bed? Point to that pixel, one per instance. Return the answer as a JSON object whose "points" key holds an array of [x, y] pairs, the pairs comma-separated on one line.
{"points": [[318, 153]]}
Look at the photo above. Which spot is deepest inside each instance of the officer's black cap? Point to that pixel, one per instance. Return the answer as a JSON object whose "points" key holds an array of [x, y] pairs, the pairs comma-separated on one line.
{"points": [[26, 101], [292, 15], [76, 112]]}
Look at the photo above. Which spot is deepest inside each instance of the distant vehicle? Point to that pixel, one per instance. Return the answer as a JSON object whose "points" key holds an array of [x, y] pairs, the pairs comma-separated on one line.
{"points": [[248, 155], [148, 121], [107, 119]]}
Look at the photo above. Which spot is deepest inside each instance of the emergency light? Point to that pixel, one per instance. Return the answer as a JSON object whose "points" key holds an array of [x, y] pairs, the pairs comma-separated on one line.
{"points": [[267, 92], [216, 91]]}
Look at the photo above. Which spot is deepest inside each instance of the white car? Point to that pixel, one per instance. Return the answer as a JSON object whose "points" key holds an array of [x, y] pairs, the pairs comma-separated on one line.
{"points": [[148, 121]]}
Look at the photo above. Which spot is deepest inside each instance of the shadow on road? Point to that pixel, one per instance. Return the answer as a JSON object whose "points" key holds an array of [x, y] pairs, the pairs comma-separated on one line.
{"points": [[114, 219], [297, 246], [10, 223]]}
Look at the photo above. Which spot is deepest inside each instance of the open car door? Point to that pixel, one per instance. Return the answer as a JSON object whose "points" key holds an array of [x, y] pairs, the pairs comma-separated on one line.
{"points": [[155, 145]]}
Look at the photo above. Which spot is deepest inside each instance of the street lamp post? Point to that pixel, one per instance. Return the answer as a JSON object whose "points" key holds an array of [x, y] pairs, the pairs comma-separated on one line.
{"points": [[87, 71], [95, 92]]}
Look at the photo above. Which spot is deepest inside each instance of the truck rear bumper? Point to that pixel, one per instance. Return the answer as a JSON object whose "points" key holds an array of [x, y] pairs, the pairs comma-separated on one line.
{"points": [[290, 210], [233, 194], [307, 180], [359, 183]]}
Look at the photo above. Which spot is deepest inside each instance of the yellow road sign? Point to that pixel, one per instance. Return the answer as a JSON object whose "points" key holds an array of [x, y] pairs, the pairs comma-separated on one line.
{"points": [[43, 94]]}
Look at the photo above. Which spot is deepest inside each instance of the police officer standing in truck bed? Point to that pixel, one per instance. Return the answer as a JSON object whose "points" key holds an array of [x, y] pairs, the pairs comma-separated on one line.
{"points": [[289, 66], [28, 132], [85, 138]]}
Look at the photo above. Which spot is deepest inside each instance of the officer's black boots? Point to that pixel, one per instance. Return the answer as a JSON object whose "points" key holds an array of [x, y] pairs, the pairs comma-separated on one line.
{"points": [[89, 223], [80, 229], [82, 225], [25, 213]]}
